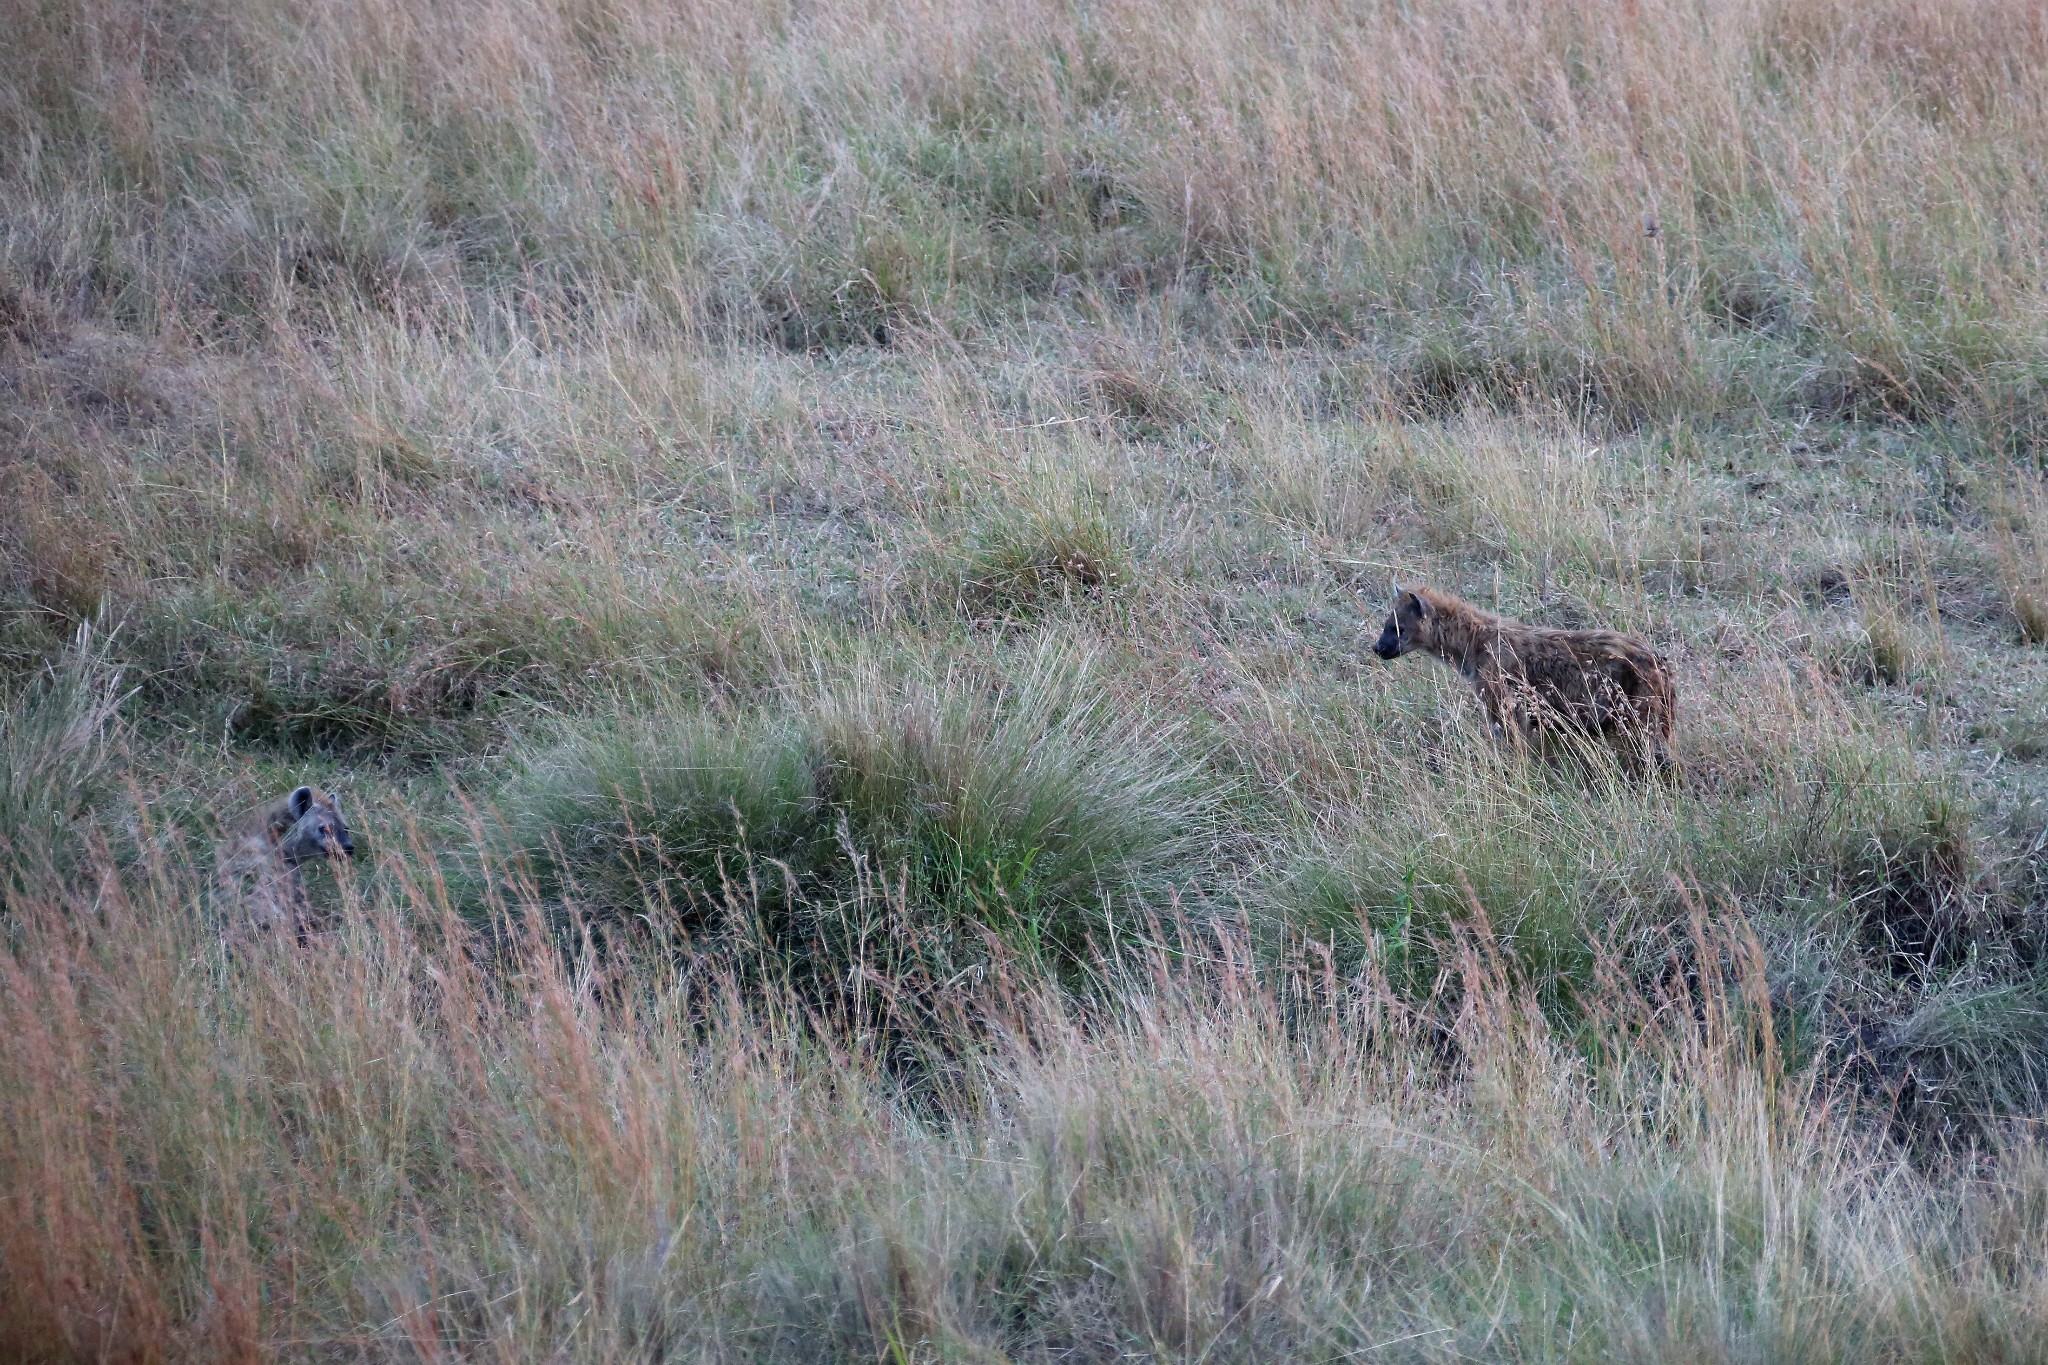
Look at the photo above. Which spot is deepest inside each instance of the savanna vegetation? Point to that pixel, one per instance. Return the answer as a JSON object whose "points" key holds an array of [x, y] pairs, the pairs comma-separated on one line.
{"points": [[829, 550]]}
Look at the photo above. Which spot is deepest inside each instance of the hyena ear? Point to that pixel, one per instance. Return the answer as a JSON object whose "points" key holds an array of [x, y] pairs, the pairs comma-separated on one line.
{"points": [[300, 802]]}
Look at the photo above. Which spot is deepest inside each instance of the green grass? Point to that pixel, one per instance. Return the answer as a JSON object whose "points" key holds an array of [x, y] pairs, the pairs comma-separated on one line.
{"points": [[545, 1163], [59, 750], [874, 812], [1057, 549], [1559, 861]]}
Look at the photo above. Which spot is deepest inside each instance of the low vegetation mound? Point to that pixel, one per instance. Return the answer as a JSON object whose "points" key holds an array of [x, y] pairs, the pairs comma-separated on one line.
{"points": [[940, 812]]}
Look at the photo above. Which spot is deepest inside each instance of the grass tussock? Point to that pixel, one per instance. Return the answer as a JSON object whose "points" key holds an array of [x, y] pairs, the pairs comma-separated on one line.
{"points": [[59, 739], [1049, 547], [1025, 815]]}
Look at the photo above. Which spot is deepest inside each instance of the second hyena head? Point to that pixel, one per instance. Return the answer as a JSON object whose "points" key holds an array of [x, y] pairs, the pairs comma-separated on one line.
{"points": [[309, 826], [1410, 625]]}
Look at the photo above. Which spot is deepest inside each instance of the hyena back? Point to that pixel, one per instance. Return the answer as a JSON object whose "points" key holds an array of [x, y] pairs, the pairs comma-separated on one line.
{"points": [[1534, 681]]}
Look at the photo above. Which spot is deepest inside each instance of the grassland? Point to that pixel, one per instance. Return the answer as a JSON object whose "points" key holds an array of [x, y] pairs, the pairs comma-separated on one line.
{"points": [[829, 549]]}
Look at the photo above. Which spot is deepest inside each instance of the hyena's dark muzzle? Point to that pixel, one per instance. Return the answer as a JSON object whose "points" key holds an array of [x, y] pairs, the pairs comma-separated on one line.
{"points": [[1388, 646]]}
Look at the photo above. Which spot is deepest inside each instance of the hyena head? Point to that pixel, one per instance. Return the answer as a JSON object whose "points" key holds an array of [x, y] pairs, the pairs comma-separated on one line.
{"points": [[309, 826], [1409, 625]]}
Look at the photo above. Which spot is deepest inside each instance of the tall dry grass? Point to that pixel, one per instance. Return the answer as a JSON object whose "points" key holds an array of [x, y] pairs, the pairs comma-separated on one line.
{"points": [[377, 1146], [1644, 206]]}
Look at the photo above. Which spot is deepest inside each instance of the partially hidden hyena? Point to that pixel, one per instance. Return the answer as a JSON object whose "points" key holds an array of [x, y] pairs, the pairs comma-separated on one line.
{"points": [[261, 863], [1534, 681]]}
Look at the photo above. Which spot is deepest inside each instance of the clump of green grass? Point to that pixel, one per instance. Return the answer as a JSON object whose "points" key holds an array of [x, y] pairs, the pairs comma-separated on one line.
{"points": [[1032, 808], [1051, 547], [58, 736], [2020, 543], [1972, 1049]]}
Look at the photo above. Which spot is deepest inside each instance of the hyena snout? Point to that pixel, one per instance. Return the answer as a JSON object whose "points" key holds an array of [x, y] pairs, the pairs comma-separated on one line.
{"points": [[1390, 644], [334, 840]]}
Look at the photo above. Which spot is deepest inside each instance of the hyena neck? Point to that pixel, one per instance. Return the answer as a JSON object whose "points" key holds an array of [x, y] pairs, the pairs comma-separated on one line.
{"points": [[1463, 633]]}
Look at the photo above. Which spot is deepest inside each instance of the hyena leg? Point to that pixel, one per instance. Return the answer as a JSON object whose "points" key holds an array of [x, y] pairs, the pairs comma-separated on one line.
{"points": [[1512, 711], [1661, 762], [1644, 745]]}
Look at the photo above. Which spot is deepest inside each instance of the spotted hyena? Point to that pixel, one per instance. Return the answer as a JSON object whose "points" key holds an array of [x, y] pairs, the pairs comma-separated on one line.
{"points": [[1534, 681], [262, 862]]}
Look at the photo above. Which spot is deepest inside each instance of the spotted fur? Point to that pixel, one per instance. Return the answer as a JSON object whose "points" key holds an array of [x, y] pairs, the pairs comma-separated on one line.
{"points": [[262, 861], [1534, 681]]}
